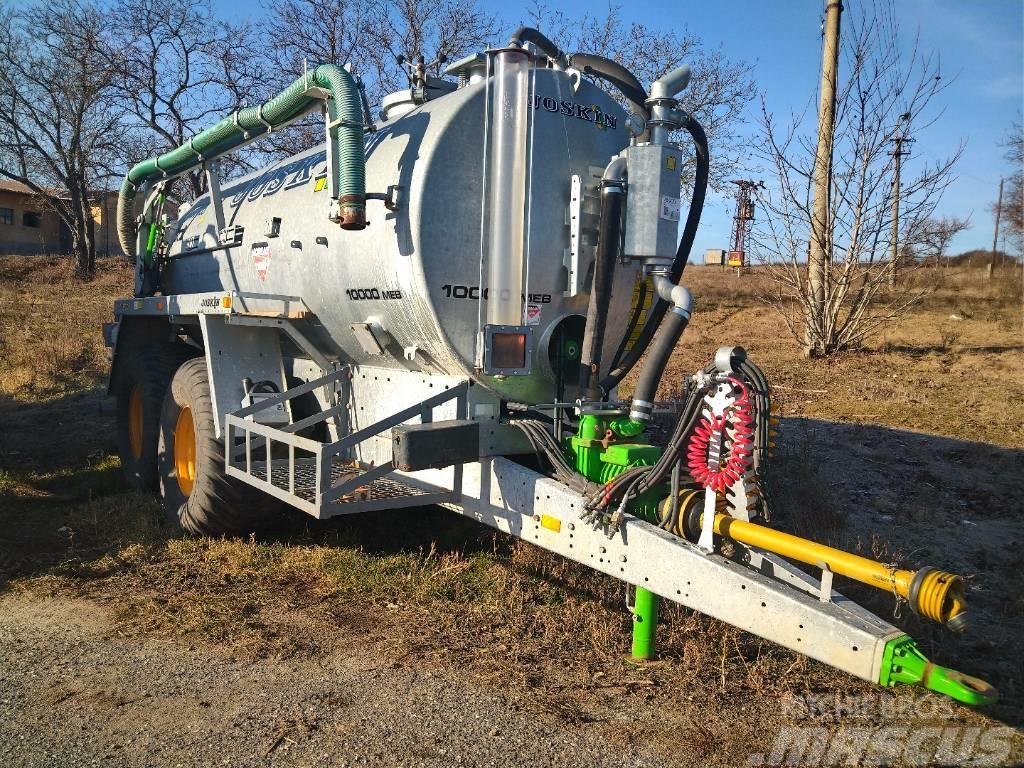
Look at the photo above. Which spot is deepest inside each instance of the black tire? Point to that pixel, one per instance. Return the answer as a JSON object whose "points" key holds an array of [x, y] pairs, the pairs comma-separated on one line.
{"points": [[304, 406], [204, 501], [144, 374]]}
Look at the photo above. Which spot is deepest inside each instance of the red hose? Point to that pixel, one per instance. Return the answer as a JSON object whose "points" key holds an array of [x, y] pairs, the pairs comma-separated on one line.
{"points": [[735, 429]]}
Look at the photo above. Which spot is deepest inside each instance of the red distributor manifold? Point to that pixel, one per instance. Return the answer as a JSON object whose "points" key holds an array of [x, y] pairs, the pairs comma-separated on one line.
{"points": [[738, 448]]}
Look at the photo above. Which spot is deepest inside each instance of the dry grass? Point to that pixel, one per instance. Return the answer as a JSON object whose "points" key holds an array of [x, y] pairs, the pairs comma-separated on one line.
{"points": [[953, 367], [439, 589], [50, 340]]}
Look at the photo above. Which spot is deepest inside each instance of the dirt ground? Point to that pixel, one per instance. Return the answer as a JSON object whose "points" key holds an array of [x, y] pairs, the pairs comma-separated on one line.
{"points": [[417, 638]]}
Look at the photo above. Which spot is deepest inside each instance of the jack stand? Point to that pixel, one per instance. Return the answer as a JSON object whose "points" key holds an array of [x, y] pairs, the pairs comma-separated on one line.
{"points": [[645, 624]]}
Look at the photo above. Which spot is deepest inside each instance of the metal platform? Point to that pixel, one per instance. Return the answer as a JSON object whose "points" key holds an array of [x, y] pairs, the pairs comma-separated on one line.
{"points": [[322, 479], [298, 479]]}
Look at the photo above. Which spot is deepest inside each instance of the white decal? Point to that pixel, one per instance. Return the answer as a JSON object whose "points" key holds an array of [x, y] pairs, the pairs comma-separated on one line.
{"points": [[670, 208]]}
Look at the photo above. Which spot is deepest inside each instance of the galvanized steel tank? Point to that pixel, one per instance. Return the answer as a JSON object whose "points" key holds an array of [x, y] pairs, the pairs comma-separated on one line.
{"points": [[414, 273]]}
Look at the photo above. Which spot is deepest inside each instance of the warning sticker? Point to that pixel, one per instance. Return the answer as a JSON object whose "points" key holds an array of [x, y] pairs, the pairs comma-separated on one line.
{"points": [[261, 259], [533, 314], [669, 208]]}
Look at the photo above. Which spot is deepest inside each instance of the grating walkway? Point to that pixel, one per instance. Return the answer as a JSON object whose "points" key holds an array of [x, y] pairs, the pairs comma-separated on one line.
{"points": [[381, 489]]}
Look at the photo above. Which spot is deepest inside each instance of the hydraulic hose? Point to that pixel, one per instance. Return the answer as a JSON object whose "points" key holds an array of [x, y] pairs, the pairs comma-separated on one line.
{"points": [[535, 36], [608, 240], [346, 129], [614, 73], [700, 184], [668, 336]]}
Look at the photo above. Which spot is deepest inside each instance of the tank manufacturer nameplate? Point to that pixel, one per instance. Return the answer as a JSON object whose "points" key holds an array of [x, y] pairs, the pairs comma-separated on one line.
{"points": [[590, 113]]}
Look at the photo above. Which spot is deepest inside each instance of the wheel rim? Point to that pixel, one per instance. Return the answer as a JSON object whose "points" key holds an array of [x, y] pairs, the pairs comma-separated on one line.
{"points": [[135, 422], [185, 450]]}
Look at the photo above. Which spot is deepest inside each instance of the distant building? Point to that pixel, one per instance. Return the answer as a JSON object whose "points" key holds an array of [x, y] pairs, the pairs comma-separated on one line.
{"points": [[29, 227], [715, 257]]}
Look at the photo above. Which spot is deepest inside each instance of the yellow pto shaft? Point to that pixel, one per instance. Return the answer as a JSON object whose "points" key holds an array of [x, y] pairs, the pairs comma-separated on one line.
{"points": [[934, 594]]}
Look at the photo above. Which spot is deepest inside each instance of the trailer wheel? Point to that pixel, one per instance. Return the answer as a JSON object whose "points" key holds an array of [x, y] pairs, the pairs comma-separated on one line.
{"points": [[197, 493], [139, 391]]}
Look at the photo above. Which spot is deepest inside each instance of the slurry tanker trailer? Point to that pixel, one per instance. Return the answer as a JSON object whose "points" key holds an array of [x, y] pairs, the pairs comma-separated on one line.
{"points": [[438, 307]]}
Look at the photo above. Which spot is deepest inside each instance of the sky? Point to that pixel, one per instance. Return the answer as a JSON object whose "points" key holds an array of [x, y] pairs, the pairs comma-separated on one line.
{"points": [[981, 43]]}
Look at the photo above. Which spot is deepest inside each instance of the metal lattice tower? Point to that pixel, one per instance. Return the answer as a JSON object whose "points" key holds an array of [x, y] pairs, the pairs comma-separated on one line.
{"points": [[741, 221]]}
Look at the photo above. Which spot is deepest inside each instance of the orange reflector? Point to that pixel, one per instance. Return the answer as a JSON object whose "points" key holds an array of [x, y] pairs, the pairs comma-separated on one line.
{"points": [[551, 523], [508, 350], [225, 301]]}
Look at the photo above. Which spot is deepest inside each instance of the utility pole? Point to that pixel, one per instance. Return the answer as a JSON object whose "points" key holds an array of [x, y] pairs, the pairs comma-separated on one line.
{"points": [[819, 256], [894, 240], [995, 237]]}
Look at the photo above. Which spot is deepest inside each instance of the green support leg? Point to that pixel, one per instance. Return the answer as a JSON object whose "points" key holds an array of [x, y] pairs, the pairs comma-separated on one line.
{"points": [[645, 622]]}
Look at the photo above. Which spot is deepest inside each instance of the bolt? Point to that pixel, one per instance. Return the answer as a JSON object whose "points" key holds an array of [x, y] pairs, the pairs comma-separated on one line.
{"points": [[536, 518], [572, 527], [601, 550], [622, 558]]}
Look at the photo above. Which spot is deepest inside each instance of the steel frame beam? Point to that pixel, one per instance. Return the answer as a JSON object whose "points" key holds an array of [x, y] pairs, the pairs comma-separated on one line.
{"points": [[786, 610]]}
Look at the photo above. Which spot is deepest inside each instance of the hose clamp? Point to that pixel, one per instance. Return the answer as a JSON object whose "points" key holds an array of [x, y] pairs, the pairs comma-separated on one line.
{"points": [[641, 410], [259, 116], [234, 119]]}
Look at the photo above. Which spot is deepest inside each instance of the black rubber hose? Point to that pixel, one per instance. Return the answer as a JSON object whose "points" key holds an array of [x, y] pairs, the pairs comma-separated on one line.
{"points": [[535, 36], [608, 239], [670, 331], [616, 74], [700, 186]]}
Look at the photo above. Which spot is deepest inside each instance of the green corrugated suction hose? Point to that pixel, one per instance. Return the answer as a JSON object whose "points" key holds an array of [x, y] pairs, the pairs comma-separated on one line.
{"points": [[347, 171]]}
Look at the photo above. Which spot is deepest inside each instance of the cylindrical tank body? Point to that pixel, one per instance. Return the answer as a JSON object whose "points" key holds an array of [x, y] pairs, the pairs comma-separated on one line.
{"points": [[414, 273]]}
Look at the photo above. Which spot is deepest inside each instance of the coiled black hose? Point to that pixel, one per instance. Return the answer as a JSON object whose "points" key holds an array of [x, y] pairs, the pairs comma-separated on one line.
{"points": [[700, 186]]}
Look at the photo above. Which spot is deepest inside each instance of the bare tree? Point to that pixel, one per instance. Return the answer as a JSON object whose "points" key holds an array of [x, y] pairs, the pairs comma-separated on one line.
{"points": [[441, 31], [1012, 214], [931, 239], [719, 92], [304, 33], [885, 88], [60, 134], [181, 69], [369, 35]]}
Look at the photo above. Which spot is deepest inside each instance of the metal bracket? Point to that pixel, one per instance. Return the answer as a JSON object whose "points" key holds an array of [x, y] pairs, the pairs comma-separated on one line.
{"points": [[212, 170], [392, 198], [825, 595], [230, 236], [581, 216]]}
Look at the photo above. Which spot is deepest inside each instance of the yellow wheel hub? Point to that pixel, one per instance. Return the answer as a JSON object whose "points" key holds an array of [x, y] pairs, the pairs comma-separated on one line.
{"points": [[135, 422], [185, 450]]}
